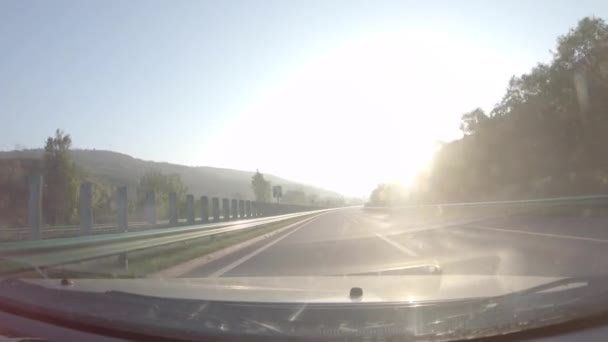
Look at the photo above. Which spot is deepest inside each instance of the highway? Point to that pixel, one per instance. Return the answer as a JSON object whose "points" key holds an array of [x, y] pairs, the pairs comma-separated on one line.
{"points": [[363, 241]]}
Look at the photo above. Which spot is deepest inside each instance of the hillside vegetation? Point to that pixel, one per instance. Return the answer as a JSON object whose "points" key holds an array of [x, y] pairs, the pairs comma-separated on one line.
{"points": [[546, 137], [114, 169], [108, 170]]}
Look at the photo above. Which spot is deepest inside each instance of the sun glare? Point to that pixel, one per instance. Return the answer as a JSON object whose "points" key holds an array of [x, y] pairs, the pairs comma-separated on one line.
{"points": [[366, 112]]}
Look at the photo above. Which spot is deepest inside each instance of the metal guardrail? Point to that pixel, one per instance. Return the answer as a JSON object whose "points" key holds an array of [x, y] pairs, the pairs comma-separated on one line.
{"points": [[458, 214], [566, 200], [55, 252], [75, 227], [210, 208], [23, 233]]}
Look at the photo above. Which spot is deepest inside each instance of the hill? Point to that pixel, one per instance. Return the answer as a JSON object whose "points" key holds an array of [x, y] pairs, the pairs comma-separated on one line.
{"points": [[114, 169]]}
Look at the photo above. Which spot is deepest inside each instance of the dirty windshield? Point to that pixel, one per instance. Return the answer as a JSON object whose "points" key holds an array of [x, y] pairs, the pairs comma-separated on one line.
{"points": [[303, 151]]}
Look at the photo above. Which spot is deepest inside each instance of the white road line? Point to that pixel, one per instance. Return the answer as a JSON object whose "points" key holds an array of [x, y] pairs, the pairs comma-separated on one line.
{"points": [[558, 236], [397, 245], [297, 313], [236, 263]]}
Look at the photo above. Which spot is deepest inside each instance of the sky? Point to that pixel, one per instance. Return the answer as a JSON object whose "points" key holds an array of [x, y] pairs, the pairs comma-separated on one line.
{"points": [[339, 94]]}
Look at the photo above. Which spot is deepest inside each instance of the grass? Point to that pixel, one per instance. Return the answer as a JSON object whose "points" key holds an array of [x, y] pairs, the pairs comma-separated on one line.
{"points": [[157, 259]]}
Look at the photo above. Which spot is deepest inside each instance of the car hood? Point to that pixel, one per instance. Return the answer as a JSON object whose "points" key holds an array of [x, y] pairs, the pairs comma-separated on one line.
{"points": [[325, 289]]}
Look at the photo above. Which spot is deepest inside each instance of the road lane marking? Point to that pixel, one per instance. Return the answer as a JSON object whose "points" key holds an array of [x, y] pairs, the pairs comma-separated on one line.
{"points": [[236, 263], [397, 245], [558, 236], [297, 313]]}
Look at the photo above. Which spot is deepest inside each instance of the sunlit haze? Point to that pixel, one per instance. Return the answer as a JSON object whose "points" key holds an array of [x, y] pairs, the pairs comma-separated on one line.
{"points": [[336, 95], [366, 111]]}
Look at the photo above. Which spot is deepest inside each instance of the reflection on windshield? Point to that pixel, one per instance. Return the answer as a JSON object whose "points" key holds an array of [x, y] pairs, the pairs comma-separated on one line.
{"points": [[302, 154]]}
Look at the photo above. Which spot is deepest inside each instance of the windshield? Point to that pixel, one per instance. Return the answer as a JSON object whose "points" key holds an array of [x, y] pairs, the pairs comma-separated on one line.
{"points": [[306, 152]]}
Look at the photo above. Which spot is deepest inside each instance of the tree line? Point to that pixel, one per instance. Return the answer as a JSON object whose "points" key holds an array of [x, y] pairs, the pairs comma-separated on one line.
{"points": [[262, 191], [62, 178], [61, 189], [546, 137]]}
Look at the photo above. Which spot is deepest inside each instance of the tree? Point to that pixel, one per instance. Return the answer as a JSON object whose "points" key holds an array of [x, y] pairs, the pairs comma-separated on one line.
{"points": [[61, 180], [161, 184], [388, 194], [377, 198], [260, 187], [102, 203], [295, 197], [312, 199], [471, 121], [547, 135]]}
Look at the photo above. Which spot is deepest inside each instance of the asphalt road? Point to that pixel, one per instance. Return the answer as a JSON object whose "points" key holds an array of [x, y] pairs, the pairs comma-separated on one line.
{"points": [[360, 241]]}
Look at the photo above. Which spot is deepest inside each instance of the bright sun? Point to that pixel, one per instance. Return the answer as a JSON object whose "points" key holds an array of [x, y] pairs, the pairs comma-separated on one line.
{"points": [[366, 112]]}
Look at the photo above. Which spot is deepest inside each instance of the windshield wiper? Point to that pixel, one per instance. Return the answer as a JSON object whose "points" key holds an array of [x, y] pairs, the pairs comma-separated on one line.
{"points": [[426, 268], [566, 291]]}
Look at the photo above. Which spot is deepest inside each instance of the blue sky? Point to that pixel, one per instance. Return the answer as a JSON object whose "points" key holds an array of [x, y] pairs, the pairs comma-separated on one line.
{"points": [[342, 94]]}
